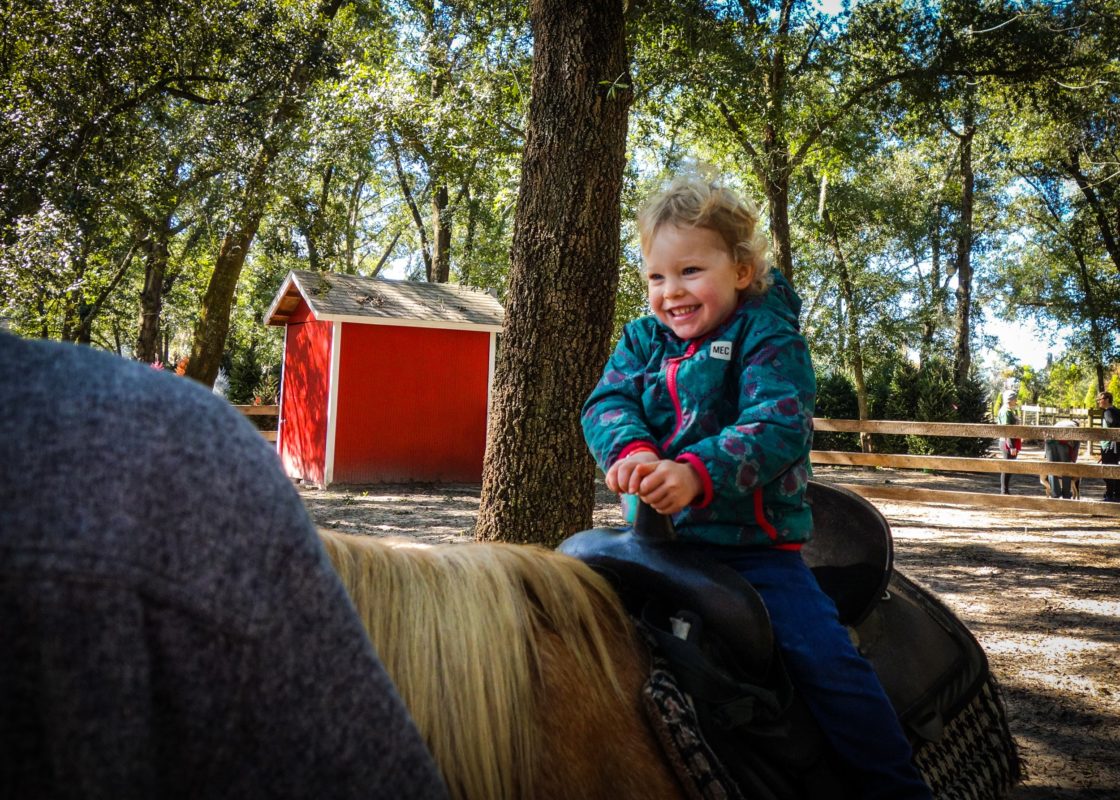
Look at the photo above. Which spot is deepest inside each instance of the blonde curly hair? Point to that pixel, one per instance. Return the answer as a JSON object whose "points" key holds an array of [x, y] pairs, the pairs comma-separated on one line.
{"points": [[692, 202]]}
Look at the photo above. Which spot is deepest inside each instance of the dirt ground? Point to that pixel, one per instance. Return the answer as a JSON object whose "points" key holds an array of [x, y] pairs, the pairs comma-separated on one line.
{"points": [[1040, 592]]}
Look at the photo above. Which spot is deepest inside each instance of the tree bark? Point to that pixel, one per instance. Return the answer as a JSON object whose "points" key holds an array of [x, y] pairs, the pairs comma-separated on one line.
{"points": [[935, 307], [156, 252], [777, 199], [441, 235], [538, 475], [212, 328], [962, 356]]}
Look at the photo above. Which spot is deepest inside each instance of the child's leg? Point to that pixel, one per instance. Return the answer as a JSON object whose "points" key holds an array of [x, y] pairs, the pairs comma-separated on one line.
{"points": [[838, 684]]}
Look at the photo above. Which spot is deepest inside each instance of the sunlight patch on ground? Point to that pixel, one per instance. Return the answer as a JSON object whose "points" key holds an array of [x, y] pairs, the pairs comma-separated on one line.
{"points": [[1103, 608], [1067, 683], [1047, 646]]}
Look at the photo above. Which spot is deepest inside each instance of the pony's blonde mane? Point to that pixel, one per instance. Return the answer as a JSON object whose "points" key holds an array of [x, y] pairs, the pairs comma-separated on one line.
{"points": [[459, 629]]}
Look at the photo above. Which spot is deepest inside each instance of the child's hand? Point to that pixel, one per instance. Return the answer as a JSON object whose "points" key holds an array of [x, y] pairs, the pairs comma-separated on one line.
{"points": [[668, 486], [618, 477]]}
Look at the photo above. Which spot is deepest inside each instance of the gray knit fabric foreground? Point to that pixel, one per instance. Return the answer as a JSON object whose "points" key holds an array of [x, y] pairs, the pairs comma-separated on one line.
{"points": [[169, 624]]}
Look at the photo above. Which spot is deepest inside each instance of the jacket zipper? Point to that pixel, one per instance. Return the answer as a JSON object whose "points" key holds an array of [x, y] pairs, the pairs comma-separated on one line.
{"points": [[671, 379]]}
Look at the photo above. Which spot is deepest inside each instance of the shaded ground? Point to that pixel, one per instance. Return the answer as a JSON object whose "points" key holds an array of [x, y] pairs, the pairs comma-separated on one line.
{"points": [[1041, 593]]}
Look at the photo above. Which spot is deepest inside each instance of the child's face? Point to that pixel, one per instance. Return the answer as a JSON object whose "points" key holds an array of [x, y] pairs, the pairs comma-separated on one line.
{"points": [[692, 279]]}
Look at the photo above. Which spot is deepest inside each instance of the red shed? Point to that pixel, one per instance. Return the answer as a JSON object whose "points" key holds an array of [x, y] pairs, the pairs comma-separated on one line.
{"points": [[383, 381]]}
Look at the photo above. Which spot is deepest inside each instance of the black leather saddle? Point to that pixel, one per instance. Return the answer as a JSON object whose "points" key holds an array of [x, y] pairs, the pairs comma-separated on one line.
{"points": [[647, 563], [850, 554]]}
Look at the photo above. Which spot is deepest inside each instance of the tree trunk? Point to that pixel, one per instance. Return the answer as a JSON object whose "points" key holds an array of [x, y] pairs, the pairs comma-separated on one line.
{"points": [[156, 252], [353, 207], [213, 321], [854, 350], [1108, 236], [962, 362], [538, 475], [775, 148], [402, 180], [773, 168], [212, 328], [312, 242], [777, 196], [934, 309], [468, 236], [441, 236]]}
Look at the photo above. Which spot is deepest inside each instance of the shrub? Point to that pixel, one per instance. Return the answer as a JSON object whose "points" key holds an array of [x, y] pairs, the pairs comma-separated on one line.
{"points": [[892, 395], [836, 398], [937, 398]]}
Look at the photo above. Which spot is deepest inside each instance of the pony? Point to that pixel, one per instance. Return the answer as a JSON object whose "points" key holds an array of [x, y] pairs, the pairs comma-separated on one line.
{"points": [[518, 664], [526, 677]]}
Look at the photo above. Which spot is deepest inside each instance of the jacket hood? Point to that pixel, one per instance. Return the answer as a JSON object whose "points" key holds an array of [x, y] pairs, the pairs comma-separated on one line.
{"points": [[782, 299]]}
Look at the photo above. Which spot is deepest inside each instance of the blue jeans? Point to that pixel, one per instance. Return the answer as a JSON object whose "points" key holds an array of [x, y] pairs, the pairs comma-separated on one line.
{"points": [[1058, 451], [838, 684]]}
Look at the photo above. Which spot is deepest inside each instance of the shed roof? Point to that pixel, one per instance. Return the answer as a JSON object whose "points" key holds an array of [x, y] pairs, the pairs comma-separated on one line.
{"points": [[380, 301]]}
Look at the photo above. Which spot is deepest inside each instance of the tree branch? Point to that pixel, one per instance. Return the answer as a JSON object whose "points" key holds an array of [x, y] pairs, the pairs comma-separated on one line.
{"points": [[406, 190]]}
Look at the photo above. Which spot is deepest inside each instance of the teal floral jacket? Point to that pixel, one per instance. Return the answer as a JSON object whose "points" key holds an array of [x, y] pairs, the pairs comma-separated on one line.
{"points": [[737, 405]]}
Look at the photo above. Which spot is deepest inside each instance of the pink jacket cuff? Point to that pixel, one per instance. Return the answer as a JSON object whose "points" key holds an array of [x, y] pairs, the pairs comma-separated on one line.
{"points": [[637, 447], [707, 491]]}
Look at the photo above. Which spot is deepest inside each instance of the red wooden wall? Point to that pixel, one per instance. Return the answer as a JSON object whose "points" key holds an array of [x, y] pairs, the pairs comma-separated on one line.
{"points": [[411, 404], [302, 439]]}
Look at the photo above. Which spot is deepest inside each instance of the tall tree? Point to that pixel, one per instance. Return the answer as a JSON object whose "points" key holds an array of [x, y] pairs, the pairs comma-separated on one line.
{"points": [[853, 311], [210, 333], [452, 115], [1059, 276], [770, 81], [962, 263], [537, 476]]}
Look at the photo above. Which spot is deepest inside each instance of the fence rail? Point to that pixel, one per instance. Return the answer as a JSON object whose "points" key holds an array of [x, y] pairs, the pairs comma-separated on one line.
{"points": [[1035, 414], [261, 411], [981, 465], [936, 463]]}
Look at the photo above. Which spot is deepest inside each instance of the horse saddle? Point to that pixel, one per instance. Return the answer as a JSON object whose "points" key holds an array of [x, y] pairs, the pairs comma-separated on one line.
{"points": [[928, 662], [645, 563], [850, 555]]}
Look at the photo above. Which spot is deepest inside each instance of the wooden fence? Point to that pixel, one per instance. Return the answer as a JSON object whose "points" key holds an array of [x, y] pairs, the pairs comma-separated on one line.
{"points": [[262, 411], [1047, 415], [935, 463], [983, 465]]}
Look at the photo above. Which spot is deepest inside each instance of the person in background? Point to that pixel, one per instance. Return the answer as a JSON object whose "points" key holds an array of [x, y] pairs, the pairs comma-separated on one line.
{"points": [[1010, 447], [171, 626], [1110, 451], [1065, 452]]}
